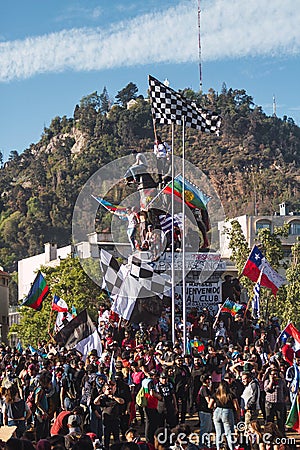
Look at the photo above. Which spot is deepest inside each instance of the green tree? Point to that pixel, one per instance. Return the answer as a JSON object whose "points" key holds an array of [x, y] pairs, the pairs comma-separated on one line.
{"points": [[290, 310], [271, 244], [68, 281], [271, 247], [237, 244], [104, 101], [92, 100], [129, 92]]}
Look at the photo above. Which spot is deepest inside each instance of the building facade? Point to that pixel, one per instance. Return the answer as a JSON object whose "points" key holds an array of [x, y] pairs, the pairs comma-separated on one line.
{"points": [[252, 224], [4, 304]]}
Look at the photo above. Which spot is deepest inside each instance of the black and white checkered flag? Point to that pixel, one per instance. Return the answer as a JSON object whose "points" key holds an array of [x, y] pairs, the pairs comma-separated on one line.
{"points": [[113, 273], [169, 107], [147, 278]]}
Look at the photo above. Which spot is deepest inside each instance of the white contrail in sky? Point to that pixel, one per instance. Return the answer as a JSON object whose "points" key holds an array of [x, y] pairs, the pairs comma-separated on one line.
{"points": [[230, 29]]}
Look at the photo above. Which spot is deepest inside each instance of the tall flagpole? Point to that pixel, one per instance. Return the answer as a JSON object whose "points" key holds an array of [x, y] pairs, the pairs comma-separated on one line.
{"points": [[183, 237], [199, 45], [172, 239]]}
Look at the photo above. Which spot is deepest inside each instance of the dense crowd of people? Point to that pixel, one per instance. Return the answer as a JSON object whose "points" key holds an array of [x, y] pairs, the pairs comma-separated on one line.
{"points": [[235, 377]]}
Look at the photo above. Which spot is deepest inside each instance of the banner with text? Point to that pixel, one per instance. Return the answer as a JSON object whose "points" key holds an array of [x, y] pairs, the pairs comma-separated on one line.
{"points": [[201, 295]]}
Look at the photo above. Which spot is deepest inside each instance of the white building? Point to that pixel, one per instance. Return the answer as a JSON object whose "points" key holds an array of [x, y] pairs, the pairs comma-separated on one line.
{"points": [[251, 224], [28, 267]]}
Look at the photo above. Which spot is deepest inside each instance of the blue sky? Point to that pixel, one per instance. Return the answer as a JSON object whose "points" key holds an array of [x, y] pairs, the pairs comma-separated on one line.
{"points": [[53, 52]]}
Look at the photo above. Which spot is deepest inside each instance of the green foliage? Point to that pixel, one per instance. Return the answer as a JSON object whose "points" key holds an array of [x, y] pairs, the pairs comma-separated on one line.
{"points": [[290, 310], [129, 92], [68, 281], [271, 245], [237, 244], [39, 187], [104, 101]]}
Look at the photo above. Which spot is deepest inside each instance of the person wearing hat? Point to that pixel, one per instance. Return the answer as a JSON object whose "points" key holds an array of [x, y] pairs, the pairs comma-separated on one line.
{"points": [[61, 423], [75, 432]]}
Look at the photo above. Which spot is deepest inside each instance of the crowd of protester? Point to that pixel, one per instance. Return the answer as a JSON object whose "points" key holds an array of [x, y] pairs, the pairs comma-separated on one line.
{"points": [[234, 377]]}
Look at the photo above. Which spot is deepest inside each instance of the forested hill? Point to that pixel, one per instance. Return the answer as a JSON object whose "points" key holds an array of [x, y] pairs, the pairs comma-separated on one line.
{"points": [[39, 187]]}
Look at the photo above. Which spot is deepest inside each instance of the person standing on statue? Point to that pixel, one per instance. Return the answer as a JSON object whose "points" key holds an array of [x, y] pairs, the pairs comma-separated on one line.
{"points": [[162, 151]]}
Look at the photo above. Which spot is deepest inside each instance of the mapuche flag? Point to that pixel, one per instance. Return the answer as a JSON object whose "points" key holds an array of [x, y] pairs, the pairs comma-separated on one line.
{"points": [[293, 419], [231, 307], [255, 264], [38, 292], [193, 196]]}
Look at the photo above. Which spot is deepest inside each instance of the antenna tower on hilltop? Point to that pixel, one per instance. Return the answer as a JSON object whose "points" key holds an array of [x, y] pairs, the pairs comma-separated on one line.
{"points": [[199, 45], [274, 106]]}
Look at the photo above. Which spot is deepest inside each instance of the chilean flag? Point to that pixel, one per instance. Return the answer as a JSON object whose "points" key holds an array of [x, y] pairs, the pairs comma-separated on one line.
{"points": [[58, 304], [290, 331], [255, 264]]}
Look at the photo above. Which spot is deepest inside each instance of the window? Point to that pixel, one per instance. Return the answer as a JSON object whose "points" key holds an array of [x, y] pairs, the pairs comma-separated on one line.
{"points": [[295, 228], [263, 224]]}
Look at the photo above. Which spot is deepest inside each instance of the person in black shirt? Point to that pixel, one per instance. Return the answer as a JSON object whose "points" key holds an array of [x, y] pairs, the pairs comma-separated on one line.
{"points": [[182, 379], [227, 289], [110, 412], [167, 405], [205, 413], [123, 391]]}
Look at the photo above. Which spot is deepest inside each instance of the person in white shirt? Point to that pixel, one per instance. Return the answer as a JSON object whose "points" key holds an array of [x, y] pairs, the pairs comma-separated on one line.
{"points": [[162, 152], [139, 167]]}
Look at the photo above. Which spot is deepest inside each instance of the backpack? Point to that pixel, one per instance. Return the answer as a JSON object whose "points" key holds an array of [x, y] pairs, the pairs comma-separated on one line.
{"points": [[70, 391], [141, 399]]}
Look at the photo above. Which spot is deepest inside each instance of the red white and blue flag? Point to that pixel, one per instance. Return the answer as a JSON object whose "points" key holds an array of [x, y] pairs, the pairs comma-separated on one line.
{"points": [[290, 331], [257, 263], [59, 305]]}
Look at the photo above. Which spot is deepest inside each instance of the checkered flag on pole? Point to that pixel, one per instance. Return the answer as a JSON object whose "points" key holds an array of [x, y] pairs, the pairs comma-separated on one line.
{"points": [[169, 107], [148, 279], [113, 273]]}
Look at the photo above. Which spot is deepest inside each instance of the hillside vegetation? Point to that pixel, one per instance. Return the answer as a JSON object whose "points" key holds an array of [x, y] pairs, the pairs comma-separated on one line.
{"points": [[39, 187]]}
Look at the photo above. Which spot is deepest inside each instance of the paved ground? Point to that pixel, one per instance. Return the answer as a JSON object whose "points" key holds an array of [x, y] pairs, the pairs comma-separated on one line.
{"points": [[193, 421]]}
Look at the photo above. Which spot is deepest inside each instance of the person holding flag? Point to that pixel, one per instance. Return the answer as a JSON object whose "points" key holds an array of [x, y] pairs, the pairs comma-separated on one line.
{"points": [[292, 377], [256, 297]]}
